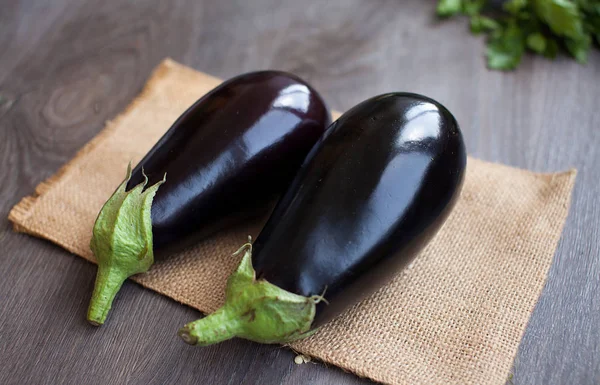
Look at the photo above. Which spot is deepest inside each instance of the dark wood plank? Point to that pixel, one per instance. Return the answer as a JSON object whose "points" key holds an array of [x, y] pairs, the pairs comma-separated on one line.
{"points": [[68, 66]]}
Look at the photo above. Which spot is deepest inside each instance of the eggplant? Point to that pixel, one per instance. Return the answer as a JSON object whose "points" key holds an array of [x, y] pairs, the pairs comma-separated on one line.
{"points": [[370, 195], [226, 158]]}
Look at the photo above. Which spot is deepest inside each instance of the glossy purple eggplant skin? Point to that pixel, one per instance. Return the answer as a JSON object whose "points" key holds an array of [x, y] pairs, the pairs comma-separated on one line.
{"points": [[229, 155], [370, 195]]}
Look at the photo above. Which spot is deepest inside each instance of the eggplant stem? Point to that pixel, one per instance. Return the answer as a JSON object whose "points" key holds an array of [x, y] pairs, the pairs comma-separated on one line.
{"points": [[108, 283], [121, 242], [254, 309], [219, 326], [320, 297], [245, 246]]}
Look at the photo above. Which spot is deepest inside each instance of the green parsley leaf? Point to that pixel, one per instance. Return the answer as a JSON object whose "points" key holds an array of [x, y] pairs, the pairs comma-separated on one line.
{"points": [[446, 8], [579, 48], [562, 16], [506, 48], [514, 6], [551, 48], [540, 26], [536, 42], [481, 23], [473, 7]]}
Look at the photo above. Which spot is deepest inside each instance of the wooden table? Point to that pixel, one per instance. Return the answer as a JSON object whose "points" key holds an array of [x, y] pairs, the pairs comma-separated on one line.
{"points": [[67, 66]]}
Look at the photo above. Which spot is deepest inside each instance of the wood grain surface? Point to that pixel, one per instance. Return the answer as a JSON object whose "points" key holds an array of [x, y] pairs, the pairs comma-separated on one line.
{"points": [[67, 66]]}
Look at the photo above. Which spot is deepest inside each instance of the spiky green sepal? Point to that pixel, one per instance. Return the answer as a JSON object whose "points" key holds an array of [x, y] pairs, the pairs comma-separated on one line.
{"points": [[121, 242], [255, 310]]}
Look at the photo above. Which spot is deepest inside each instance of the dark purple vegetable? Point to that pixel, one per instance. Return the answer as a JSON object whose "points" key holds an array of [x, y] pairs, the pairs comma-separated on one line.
{"points": [[371, 194], [227, 157]]}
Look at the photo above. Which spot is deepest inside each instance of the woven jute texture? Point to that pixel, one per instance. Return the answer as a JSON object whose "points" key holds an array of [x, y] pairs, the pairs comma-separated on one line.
{"points": [[455, 316]]}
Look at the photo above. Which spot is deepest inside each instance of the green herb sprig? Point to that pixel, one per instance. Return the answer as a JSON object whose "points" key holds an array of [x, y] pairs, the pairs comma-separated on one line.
{"points": [[544, 27]]}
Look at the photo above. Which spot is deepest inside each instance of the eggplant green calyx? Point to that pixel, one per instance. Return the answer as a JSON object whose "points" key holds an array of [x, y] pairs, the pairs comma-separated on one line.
{"points": [[255, 310], [121, 242]]}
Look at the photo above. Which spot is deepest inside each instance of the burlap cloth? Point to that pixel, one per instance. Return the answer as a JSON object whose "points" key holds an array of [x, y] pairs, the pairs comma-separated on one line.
{"points": [[455, 316]]}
